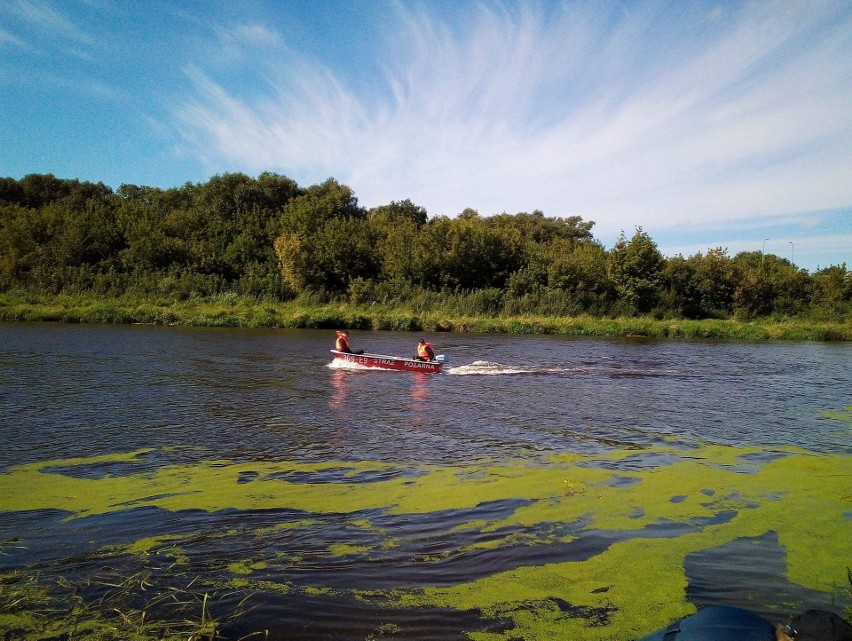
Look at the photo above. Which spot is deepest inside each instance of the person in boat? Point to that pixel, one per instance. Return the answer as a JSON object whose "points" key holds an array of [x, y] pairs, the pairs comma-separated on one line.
{"points": [[424, 351], [342, 344]]}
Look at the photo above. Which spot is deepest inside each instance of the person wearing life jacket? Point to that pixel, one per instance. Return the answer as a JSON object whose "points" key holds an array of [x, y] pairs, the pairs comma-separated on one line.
{"points": [[424, 351], [342, 344]]}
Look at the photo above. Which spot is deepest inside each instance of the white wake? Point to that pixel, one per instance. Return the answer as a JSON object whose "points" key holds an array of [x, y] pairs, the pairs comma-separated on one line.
{"points": [[490, 368]]}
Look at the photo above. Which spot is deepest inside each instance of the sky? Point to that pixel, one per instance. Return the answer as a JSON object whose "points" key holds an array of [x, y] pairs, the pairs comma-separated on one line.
{"points": [[707, 124]]}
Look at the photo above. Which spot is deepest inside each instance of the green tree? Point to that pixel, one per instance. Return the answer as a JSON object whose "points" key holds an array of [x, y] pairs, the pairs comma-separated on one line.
{"points": [[753, 295], [475, 255], [325, 240], [580, 269], [833, 289], [341, 251], [635, 269], [678, 276], [23, 235], [402, 251], [398, 212], [310, 210], [713, 282], [536, 228]]}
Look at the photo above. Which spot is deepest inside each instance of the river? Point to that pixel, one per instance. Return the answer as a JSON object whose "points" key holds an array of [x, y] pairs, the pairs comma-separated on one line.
{"points": [[538, 487]]}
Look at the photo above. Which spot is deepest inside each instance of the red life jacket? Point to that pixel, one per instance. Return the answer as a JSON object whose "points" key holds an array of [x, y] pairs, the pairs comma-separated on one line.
{"points": [[424, 351]]}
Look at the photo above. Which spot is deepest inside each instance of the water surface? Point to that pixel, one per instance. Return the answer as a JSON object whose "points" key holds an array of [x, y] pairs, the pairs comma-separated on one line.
{"points": [[528, 490]]}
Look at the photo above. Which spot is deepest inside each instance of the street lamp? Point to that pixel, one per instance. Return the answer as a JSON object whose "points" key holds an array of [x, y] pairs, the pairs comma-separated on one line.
{"points": [[793, 254], [763, 251]]}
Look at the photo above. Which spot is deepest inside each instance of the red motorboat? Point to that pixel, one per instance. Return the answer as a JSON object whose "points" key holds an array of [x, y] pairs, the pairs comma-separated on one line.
{"points": [[377, 361]]}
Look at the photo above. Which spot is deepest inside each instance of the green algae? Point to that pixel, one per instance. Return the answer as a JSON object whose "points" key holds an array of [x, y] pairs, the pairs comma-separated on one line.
{"points": [[151, 543], [628, 589], [246, 567], [844, 415], [346, 549], [290, 525]]}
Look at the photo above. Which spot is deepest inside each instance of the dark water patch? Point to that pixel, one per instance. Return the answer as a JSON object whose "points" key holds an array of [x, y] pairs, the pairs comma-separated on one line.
{"points": [[329, 552], [638, 374], [370, 550], [342, 475], [767, 456], [341, 617], [750, 572], [247, 477], [427, 556], [744, 468], [671, 528], [680, 498], [143, 500], [104, 469], [634, 462], [734, 498], [622, 481], [752, 462], [44, 532]]}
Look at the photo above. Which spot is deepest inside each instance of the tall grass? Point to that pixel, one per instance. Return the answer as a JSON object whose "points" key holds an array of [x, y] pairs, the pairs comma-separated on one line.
{"points": [[433, 312]]}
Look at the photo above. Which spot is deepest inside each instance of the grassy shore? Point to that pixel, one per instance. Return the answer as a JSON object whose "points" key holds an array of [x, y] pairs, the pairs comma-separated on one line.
{"points": [[235, 311]]}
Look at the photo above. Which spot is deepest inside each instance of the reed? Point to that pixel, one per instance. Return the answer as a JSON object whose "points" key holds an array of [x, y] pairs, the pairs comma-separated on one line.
{"points": [[107, 606], [231, 310]]}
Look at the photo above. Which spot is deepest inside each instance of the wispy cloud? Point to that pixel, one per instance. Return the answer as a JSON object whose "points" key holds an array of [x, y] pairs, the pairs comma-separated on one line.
{"points": [[651, 115], [8, 38], [45, 20]]}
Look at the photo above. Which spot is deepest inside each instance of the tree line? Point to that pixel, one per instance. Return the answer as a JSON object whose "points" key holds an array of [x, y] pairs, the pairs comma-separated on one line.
{"points": [[268, 237]]}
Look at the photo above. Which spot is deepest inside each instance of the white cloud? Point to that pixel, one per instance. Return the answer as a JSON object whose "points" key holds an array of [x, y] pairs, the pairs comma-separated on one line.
{"points": [[640, 119]]}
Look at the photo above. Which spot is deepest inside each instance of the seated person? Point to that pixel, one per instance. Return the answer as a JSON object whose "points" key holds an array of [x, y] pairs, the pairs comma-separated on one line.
{"points": [[424, 351], [342, 344]]}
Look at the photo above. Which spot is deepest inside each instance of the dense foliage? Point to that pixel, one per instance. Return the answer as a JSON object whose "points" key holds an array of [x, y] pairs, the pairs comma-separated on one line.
{"points": [[267, 237]]}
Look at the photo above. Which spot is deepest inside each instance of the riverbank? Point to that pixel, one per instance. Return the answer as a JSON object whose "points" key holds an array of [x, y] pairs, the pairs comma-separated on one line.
{"points": [[235, 311]]}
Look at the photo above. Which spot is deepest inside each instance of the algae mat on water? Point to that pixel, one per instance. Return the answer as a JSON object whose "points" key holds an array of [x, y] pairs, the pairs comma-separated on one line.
{"points": [[558, 547]]}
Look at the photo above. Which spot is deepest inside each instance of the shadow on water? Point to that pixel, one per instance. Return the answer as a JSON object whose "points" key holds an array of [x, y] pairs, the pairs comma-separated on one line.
{"points": [[755, 577]]}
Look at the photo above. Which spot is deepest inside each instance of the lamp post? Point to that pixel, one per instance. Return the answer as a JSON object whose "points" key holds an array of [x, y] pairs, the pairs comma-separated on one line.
{"points": [[793, 253], [762, 252]]}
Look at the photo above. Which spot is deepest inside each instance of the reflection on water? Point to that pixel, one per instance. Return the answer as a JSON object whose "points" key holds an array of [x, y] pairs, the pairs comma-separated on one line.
{"points": [[338, 397], [507, 484]]}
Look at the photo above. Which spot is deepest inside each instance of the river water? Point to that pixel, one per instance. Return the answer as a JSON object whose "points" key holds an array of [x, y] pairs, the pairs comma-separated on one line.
{"points": [[539, 486]]}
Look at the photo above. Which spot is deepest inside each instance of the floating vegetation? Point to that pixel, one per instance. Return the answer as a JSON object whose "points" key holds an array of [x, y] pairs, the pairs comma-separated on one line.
{"points": [[566, 546]]}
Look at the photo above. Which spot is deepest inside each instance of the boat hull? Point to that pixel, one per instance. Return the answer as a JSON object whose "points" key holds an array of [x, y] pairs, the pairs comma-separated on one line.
{"points": [[377, 361]]}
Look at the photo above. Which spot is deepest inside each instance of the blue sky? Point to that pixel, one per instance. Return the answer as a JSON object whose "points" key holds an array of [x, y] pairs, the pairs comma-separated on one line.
{"points": [[707, 123]]}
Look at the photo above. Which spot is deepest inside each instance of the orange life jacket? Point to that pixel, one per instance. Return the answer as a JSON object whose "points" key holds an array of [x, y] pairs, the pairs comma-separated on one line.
{"points": [[342, 344], [424, 351]]}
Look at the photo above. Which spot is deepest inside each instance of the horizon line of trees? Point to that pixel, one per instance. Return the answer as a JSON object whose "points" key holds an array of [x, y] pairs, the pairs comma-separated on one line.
{"points": [[268, 237]]}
